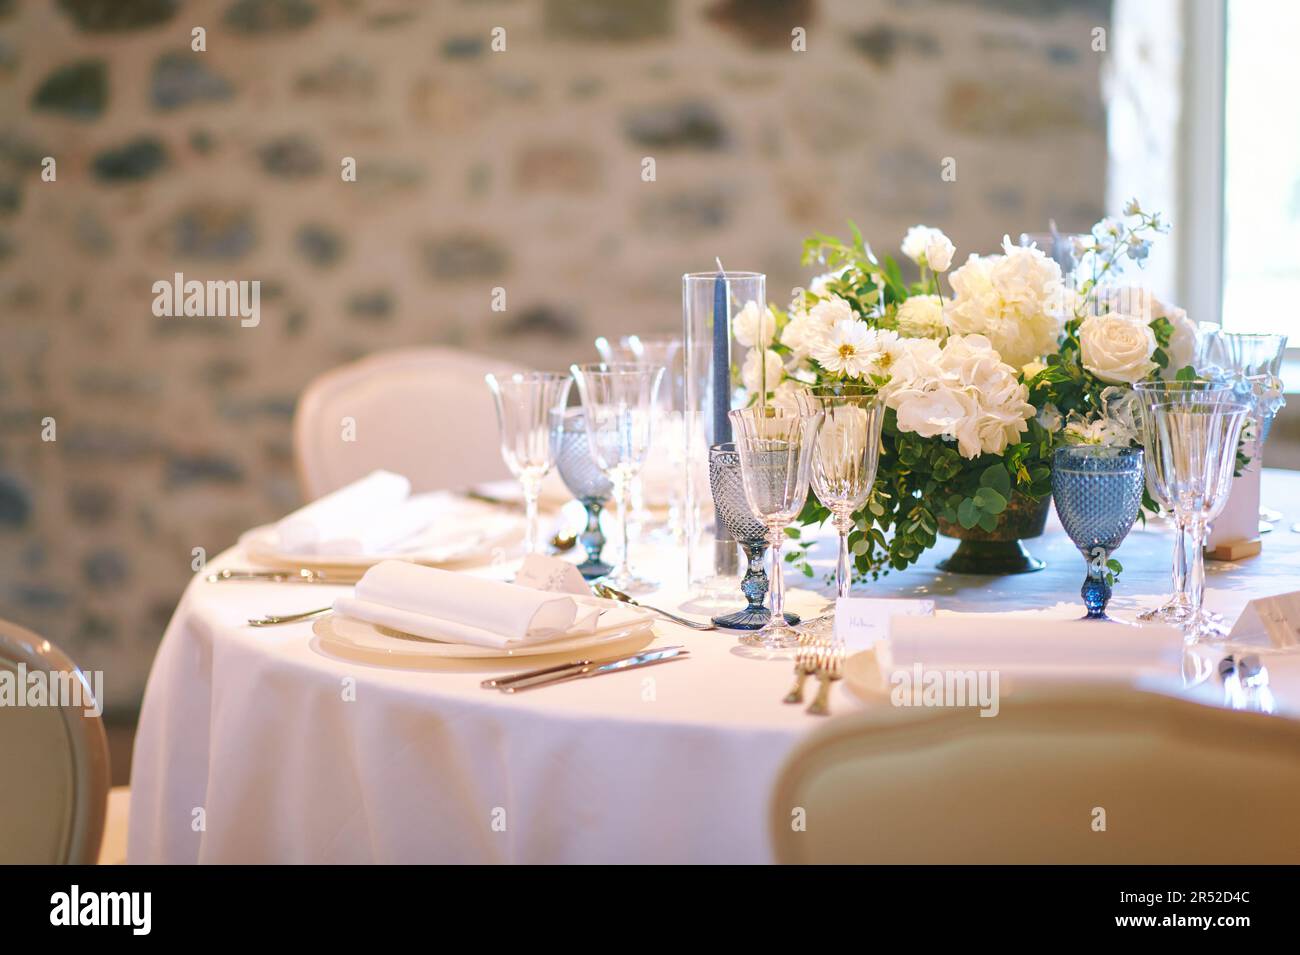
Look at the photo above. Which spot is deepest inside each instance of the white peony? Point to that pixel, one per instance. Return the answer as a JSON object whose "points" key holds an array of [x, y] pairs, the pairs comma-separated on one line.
{"points": [[852, 349], [754, 327], [921, 316], [929, 247], [1117, 348], [761, 364], [1013, 299]]}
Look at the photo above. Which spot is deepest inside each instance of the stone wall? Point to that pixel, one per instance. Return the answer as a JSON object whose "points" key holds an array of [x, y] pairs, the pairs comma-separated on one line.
{"points": [[475, 169]]}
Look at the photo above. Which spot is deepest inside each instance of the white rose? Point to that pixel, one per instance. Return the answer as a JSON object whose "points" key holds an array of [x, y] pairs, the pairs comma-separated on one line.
{"points": [[1117, 348], [927, 246], [829, 312], [1182, 343], [786, 395], [754, 327], [939, 251], [800, 335], [921, 316]]}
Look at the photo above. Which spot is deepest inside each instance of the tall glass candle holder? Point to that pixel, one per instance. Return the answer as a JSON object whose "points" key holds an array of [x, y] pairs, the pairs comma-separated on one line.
{"points": [[711, 363]]}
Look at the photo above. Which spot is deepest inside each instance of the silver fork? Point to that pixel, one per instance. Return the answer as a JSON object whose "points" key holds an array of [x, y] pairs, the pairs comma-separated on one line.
{"points": [[830, 667], [805, 665], [271, 620]]}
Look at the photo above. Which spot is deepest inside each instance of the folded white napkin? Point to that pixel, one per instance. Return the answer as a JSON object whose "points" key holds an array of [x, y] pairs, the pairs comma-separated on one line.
{"points": [[364, 517], [1039, 645], [459, 608]]}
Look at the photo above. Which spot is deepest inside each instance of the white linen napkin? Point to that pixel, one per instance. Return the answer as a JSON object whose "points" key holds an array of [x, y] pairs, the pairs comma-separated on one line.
{"points": [[363, 517], [1032, 645], [460, 608]]}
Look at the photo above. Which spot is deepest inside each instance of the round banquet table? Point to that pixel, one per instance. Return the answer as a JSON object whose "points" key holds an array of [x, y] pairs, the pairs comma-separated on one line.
{"points": [[254, 746]]}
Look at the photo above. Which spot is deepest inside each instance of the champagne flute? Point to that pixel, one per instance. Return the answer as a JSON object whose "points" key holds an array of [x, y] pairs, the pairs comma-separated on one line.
{"points": [[527, 404], [618, 401], [775, 448], [845, 456]]}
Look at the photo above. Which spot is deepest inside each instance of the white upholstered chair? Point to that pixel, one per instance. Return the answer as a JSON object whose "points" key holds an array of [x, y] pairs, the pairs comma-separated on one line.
{"points": [[1172, 781], [54, 771], [425, 413]]}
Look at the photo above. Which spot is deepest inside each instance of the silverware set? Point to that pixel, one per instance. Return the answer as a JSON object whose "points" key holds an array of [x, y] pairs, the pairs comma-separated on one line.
{"points": [[584, 669], [821, 657], [301, 576]]}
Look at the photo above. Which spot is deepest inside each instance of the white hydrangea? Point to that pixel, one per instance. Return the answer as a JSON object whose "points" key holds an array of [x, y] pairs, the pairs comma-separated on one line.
{"points": [[1013, 299], [962, 391]]}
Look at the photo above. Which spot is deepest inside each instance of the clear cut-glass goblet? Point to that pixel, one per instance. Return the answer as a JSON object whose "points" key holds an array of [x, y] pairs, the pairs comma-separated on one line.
{"points": [[618, 403], [1149, 394], [586, 482], [845, 455], [526, 405], [732, 511], [775, 446], [1098, 492], [1195, 449]]}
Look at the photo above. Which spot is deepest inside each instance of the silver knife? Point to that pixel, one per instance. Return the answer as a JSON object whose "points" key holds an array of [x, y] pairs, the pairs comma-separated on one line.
{"points": [[497, 682], [648, 658]]}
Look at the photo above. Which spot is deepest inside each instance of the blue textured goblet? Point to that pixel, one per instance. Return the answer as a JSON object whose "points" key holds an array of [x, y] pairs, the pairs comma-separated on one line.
{"points": [[585, 481], [735, 517], [1098, 492]]}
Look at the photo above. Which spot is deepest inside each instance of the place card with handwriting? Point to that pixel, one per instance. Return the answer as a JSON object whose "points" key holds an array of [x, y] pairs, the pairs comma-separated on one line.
{"points": [[1270, 621], [861, 621]]}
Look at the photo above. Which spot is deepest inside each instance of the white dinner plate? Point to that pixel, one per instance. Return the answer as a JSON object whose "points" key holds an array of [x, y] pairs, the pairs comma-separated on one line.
{"points": [[369, 643], [461, 530]]}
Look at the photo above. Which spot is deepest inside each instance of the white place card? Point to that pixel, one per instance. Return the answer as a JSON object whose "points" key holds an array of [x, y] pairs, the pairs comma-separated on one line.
{"points": [[861, 621], [1270, 620], [1239, 519], [552, 575]]}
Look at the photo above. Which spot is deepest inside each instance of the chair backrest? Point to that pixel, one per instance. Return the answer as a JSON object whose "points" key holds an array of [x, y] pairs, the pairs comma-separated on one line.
{"points": [[425, 413], [1086, 776], [55, 776]]}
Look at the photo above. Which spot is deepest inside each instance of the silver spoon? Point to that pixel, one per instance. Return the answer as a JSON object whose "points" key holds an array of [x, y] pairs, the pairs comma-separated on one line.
{"points": [[609, 593]]}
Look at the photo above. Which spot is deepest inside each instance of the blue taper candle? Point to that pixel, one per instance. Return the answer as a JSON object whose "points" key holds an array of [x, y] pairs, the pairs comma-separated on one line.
{"points": [[721, 362]]}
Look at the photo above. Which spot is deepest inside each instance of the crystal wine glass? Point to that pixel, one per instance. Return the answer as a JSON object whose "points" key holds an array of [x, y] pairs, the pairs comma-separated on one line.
{"points": [[1151, 393], [1098, 492], [775, 447], [1195, 449], [1254, 360], [618, 402], [734, 514], [526, 404], [845, 455], [586, 482]]}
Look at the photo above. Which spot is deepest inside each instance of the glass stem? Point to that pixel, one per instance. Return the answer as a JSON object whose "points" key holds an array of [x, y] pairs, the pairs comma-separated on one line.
{"points": [[777, 584], [532, 485], [843, 574], [1180, 562], [1196, 576], [622, 490]]}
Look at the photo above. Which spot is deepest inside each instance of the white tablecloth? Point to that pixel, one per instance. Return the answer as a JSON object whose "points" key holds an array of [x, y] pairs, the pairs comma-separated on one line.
{"points": [[253, 746]]}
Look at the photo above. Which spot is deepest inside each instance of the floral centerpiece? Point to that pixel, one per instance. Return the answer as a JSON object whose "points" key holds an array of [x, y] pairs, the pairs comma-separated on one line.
{"points": [[980, 383]]}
